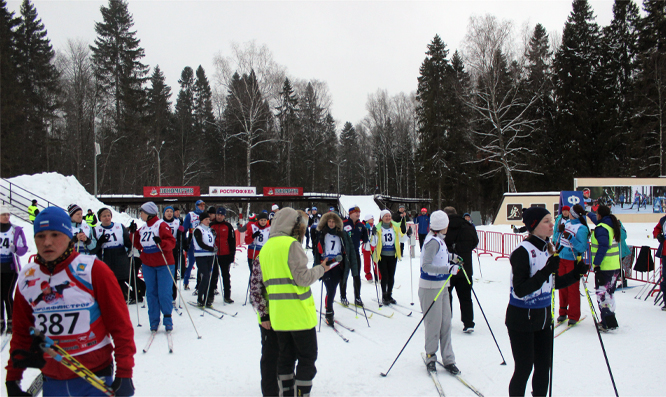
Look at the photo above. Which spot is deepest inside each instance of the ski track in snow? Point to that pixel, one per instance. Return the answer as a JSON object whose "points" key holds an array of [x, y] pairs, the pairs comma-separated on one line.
{"points": [[225, 362]]}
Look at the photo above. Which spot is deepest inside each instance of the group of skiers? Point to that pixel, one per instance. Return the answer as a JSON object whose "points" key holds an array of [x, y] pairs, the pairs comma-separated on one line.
{"points": [[549, 258]]}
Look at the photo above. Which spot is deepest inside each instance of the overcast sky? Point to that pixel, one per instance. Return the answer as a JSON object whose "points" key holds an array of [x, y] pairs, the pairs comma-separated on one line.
{"points": [[357, 47]]}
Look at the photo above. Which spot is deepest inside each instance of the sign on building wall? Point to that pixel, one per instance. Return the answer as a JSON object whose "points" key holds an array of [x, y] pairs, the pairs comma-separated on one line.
{"points": [[171, 191], [514, 212], [233, 191], [283, 191]]}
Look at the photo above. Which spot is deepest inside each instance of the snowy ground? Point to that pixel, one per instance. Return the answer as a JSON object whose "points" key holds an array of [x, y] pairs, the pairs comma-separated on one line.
{"points": [[225, 361]]}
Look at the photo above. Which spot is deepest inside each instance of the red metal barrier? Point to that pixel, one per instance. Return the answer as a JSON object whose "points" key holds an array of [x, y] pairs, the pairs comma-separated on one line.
{"points": [[494, 242], [511, 242]]}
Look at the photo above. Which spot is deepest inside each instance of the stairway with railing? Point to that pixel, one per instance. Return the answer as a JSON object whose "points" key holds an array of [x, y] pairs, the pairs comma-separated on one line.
{"points": [[19, 199]]}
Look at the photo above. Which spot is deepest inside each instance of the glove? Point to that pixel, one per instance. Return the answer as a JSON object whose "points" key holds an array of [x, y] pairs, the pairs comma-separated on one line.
{"points": [[12, 248], [104, 238], [660, 238], [453, 269], [31, 358], [552, 265], [374, 231], [256, 234], [455, 259], [132, 227], [13, 389], [567, 235], [560, 228], [581, 267], [410, 232], [123, 387], [157, 240]]}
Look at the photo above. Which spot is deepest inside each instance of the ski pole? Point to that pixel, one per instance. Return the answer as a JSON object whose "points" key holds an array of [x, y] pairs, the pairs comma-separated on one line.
{"points": [[57, 353], [384, 374], [179, 292], [321, 300], [136, 294], [484, 314], [552, 337], [478, 258], [210, 279], [411, 272], [596, 326], [247, 293], [376, 276]]}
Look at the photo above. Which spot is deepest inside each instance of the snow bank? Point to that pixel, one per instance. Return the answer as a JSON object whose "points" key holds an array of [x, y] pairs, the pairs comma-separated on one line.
{"points": [[367, 205], [65, 190]]}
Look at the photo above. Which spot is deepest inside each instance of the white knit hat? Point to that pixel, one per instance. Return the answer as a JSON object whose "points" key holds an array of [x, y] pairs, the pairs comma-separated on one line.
{"points": [[384, 212], [439, 220], [4, 209], [368, 217], [275, 207], [150, 208]]}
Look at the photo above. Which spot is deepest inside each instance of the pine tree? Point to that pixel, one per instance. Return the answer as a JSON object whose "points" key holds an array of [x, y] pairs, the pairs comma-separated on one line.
{"points": [[309, 142], [618, 69], [650, 123], [287, 115], [38, 81], [580, 125], [204, 123], [539, 84], [187, 140], [433, 90], [352, 169], [121, 77], [158, 115], [11, 96]]}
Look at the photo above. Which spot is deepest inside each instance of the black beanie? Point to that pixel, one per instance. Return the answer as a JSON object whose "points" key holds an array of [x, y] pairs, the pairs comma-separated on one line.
{"points": [[532, 217], [603, 211], [203, 216]]}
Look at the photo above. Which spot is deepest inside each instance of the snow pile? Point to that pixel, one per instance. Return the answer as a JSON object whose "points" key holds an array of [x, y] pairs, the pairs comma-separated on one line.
{"points": [[64, 190], [367, 205]]}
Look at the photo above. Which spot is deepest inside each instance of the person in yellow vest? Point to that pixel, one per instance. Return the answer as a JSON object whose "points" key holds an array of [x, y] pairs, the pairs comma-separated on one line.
{"points": [[91, 219], [387, 252], [285, 306], [33, 211], [606, 261]]}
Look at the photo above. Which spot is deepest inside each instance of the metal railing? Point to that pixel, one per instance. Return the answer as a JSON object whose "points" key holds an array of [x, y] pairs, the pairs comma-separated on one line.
{"points": [[19, 199]]}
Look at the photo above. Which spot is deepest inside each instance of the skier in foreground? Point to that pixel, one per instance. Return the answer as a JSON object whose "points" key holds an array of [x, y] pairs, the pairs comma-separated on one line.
{"points": [[436, 265], [65, 316], [156, 243], [291, 308], [528, 315]]}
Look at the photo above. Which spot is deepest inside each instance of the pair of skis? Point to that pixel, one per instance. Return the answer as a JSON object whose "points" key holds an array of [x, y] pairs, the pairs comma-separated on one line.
{"points": [[151, 338], [568, 327], [366, 309], [404, 310], [210, 309], [438, 386], [337, 331]]}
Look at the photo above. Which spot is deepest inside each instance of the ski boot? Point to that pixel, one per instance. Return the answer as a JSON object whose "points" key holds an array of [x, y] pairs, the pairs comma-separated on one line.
{"points": [[358, 302], [344, 301], [561, 318], [453, 370], [228, 300], [330, 321], [431, 366]]}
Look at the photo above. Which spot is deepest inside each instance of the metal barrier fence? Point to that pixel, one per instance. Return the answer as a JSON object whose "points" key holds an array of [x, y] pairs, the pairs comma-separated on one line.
{"points": [[502, 244]]}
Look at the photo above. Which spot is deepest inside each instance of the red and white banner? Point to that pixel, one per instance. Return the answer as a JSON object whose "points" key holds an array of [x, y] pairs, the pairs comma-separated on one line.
{"points": [[171, 191], [283, 191], [233, 191]]}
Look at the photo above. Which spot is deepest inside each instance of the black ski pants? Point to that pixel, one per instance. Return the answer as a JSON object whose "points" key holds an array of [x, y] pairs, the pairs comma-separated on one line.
{"points": [[298, 346], [7, 284], [270, 351], [137, 281], [530, 350], [224, 262], [331, 280], [206, 287], [464, 292], [422, 238], [387, 265], [357, 281]]}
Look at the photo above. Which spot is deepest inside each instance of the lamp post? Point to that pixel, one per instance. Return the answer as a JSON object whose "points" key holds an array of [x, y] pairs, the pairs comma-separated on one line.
{"points": [[338, 164], [159, 171]]}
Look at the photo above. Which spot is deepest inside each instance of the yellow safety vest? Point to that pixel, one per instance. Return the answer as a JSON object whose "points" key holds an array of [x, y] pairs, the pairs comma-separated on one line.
{"points": [[90, 219], [611, 260], [291, 307], [31, 213]]}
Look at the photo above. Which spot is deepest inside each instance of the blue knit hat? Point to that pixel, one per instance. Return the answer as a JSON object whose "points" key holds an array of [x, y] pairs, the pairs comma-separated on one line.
{"points": [[221, 211], [53, 218], [168, 207]]}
